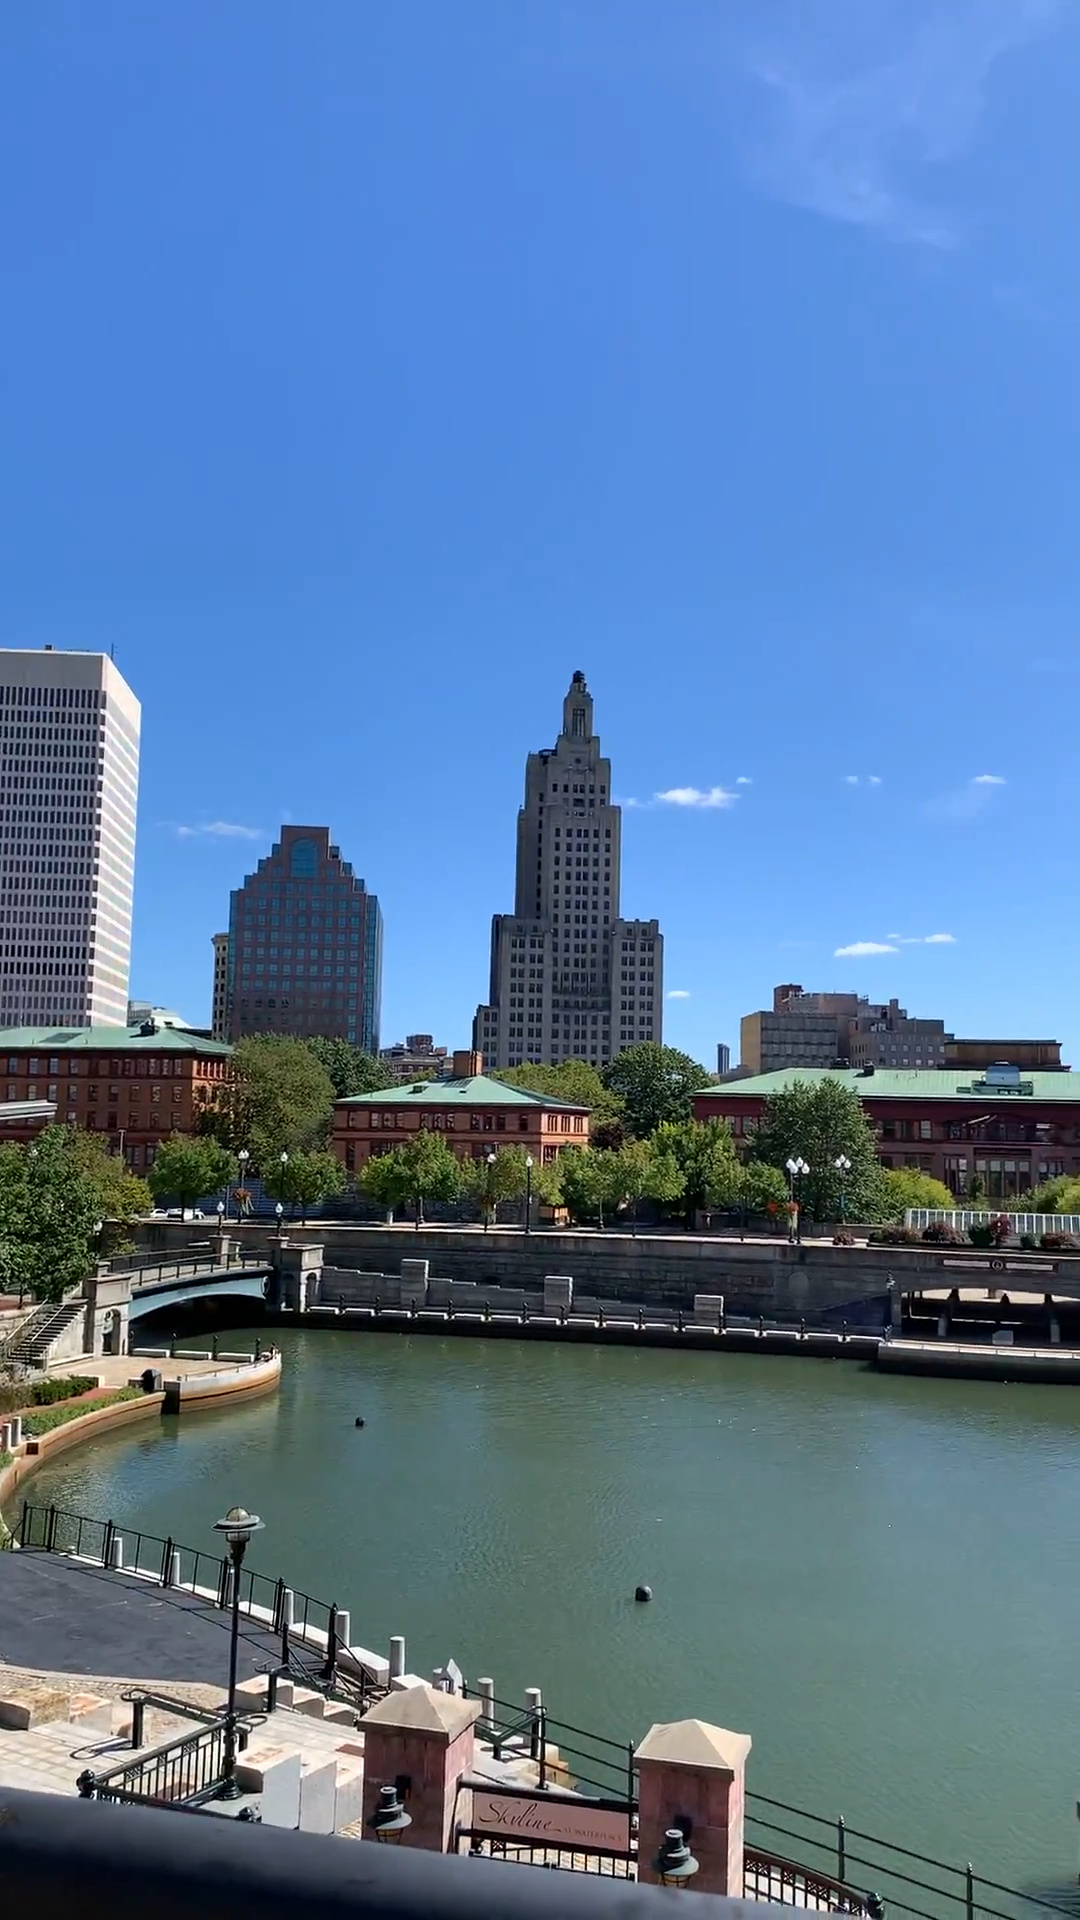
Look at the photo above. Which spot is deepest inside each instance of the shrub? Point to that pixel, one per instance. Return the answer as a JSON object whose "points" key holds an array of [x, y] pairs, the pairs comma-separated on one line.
{"points": [[1058, 1242], [44, 1392], [36, 1424], [895, 1237], [1028, 1242], [842, 1238], [981, 1234], [6, 1459], [940, 1234]]}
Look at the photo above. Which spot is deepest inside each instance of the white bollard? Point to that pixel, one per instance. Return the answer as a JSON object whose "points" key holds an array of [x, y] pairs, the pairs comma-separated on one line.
{"points": [[172, 1571], [15, 1435], [486, 1689], [534, 1700], [344, 1627], [397, 1656], [116, 1552]]}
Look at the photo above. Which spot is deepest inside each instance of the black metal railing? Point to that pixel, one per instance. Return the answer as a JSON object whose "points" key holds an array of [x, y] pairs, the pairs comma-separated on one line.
{"points": [[311, 1648], [186, 1772], [839, 1864], [590, 1761]]}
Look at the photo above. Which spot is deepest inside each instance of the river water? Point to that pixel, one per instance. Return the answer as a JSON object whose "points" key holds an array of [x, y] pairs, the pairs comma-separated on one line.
{"points": [[874, 1577]]}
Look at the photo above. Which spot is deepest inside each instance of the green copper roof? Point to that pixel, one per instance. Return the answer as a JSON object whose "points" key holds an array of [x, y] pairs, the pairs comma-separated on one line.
{"points": [[476, 1091], [910, 1083], [110, 1040]]}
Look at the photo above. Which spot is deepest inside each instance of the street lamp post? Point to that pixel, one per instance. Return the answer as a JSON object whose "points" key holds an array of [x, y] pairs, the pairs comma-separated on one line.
{"points": [[528, 1192], [242, 1159], [284, 1170], [489, 1199], [843, 1168], [238, 1527], [280, 1211], [797, 1171]]}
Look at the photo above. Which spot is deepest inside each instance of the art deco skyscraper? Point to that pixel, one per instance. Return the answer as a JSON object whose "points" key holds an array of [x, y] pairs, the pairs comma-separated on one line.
{"points": [[69, 777], [570, 979]]}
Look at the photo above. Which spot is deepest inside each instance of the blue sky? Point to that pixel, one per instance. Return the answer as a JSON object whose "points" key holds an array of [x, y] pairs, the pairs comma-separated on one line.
{"points": [[369, 369]]}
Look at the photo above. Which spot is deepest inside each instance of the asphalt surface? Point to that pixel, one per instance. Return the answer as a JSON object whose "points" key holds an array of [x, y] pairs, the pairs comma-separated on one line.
{"points": [[62, 1617]]}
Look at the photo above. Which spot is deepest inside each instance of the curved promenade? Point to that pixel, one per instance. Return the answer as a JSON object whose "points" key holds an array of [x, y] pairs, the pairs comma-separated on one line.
{"points": [[193, 1388]]}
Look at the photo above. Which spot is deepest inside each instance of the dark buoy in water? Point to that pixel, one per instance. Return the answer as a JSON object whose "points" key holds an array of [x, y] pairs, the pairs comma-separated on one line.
{"points": [[359, 1422], [642, 1593]]}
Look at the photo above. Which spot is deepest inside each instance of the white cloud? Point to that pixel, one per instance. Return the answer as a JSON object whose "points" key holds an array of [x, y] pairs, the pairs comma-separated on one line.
{"points": [[851, 779], [744, 781], [220, 830], [965, 803], [866, 99], [862, 779], [697, 797], [862, 950], [873, 780], [677, 993], [922, 939]]}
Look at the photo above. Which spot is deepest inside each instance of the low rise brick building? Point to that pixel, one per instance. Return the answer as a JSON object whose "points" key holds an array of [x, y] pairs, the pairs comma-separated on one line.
{"points": [[135, 1085], [474, 1113], [1010, 1128]]}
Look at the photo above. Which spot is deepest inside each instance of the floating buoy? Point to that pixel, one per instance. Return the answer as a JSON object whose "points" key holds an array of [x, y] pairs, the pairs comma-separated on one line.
{"points": [[642, 1593], [359, 1422]]}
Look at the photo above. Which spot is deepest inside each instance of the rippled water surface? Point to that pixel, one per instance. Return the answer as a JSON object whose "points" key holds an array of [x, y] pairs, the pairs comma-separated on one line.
{"points": [[879, 1580]]}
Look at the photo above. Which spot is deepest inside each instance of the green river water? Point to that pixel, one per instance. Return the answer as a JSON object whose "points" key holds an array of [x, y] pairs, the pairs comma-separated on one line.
{"points": [[874, 1577]]}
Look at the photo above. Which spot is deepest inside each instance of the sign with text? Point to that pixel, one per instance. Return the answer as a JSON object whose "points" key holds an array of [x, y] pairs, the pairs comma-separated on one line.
{"points": [[550, 1821]]}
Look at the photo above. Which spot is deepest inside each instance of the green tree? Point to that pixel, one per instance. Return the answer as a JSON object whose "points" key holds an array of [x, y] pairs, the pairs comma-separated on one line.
{"points": [[14, 1273], [903, 1187], [654, 1084], [820, 1122], [422, 1168], [60, 1218], [644, 1170], [580, 1084], [121, 1196], [588, 1184], [1053, 1196], [704, 1153], [762, 1189], [187, 1168], [279, 1097], [505, 1175], [350, 1070], [305, 1179]]}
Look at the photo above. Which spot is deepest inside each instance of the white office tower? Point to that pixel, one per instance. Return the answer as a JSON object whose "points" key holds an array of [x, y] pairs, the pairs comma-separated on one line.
{"points": [[69, 779]]}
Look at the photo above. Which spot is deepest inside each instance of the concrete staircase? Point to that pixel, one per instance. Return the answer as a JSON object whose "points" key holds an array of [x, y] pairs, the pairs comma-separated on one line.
{"points": [[302, 1765], [29, 1345]]}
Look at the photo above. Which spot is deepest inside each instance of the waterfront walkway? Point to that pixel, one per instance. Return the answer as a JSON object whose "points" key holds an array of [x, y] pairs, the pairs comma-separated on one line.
{"points": [[58, 1615]]}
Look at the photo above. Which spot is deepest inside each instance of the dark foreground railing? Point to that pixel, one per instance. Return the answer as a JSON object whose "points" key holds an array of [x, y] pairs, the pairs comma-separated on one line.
{"points": [[61, 1857]]}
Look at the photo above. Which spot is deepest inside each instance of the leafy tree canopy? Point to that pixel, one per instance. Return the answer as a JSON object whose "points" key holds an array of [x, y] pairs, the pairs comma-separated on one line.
{"points": [[904, 1187], [503, 1175], [121, 1195], [1054, 1196], [422, 1168], [704, 1153], [278, 1097], [349, 1069], [821, 1122], [306, 1178], [654, 1084], [50, 1212], [580, 1083], [186, 1169]]}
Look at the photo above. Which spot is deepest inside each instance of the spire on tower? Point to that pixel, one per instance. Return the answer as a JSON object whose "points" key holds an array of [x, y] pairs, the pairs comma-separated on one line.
{"points": [[577, 710]]}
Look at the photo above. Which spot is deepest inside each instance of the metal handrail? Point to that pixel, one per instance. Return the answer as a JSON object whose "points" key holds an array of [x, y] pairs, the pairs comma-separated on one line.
{"points": [[188, 1772]]}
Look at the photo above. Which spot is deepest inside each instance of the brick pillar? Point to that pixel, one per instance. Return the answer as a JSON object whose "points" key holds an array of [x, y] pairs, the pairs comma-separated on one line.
{"points": [[693, 1775], [427, 1736]]}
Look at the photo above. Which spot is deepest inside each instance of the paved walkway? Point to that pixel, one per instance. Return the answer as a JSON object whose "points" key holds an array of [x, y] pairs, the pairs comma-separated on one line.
{"points": [[57, 1615]]}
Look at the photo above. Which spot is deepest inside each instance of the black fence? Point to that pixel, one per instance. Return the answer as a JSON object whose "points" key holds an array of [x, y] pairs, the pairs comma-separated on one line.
{"points": [[307, 1628], [187, 1772]]}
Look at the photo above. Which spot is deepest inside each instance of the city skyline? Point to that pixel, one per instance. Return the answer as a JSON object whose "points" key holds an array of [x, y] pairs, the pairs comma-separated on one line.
{"points": [[674, 344]]}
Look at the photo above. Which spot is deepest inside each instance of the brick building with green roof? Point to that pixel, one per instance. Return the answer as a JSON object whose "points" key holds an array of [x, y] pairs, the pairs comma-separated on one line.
{"points": [[476, 1114], [135, 1085], [1011, 1128]]}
